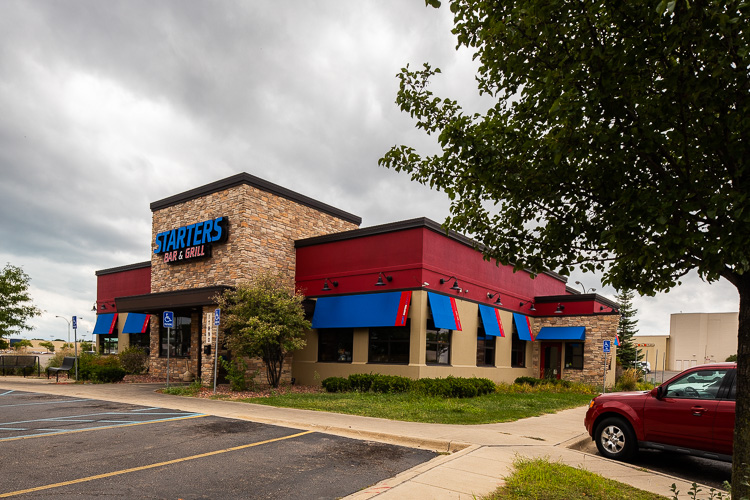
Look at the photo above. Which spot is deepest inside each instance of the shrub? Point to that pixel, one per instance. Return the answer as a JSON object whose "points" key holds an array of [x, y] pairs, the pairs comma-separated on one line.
{"points": [[361, 381], [390, 384], [731, 358], [236, 373], [133, 360], [628, 380], [337, 384], [100, 368], [528, 381], [107, 374], [454, 387]]}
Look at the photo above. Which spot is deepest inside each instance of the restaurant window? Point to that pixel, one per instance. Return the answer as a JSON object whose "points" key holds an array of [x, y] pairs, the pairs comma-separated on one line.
{"points": [[389, 344], [574, 355], [179, 338], [335, 345], [517, 350], [108, 343], [438, 345], [485, 346], [142, 340]]}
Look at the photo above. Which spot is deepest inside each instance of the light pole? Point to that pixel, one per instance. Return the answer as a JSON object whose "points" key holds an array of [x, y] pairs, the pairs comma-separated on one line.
{"points": [[584, 288], [68, 322]]}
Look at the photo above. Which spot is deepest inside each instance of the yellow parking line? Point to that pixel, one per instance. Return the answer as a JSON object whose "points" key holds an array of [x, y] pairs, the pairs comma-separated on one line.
{"points": [[151, 466], [50, 434]]}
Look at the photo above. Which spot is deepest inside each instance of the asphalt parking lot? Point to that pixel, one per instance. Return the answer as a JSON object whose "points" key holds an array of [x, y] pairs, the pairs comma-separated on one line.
{"points": [[55, 446]]}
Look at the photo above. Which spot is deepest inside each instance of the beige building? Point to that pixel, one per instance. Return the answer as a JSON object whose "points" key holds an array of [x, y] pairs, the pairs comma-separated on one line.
{"points": [[699, 338]]}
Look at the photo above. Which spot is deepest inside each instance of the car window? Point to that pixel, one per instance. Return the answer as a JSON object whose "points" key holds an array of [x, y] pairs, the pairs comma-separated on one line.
{"points": [[702, 384], [733, 390]]}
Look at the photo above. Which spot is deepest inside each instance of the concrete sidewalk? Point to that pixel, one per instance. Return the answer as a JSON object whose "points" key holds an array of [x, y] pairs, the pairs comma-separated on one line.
{"points": [[477, 457]]}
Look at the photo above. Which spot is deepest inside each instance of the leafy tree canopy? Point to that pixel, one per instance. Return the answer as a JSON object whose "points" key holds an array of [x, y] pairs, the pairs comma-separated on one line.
{"points": [[618, 141], [16, 308], [264, 319]]}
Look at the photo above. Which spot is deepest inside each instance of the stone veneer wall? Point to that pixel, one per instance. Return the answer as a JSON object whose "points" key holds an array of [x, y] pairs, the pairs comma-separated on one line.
{"points": [[598, 328], [262, 229]]}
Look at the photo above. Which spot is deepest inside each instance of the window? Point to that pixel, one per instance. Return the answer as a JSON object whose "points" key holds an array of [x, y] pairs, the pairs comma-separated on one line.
{"points": [[703, 384], [179, 339], [389, 344], [574, 355], [335, 345], [438, 345], [517, 350], [485, 346], [108, 343], [142, 340]]}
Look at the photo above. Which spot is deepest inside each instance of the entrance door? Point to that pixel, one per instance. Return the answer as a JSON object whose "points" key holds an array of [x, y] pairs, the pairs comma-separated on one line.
{"points": [[551, 361]]}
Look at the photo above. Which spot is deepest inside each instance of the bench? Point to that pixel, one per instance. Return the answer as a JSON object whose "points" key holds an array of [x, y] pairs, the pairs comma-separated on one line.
{"points": [[67, 364], [22, 362]]}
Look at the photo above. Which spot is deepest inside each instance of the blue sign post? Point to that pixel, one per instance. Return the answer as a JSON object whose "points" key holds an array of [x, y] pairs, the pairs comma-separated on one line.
{"points": [[75, 343], [168, 322], [606, 347], [217, 321]]}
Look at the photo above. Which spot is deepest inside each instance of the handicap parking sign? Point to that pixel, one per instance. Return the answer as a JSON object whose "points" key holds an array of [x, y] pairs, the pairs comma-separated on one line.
{"points": [[606, 346], [217, 317], [168, 319], [75, 323]]}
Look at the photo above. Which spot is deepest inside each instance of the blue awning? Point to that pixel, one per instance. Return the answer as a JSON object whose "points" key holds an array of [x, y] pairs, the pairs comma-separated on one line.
{"points": [[105, 324], [562, 333], [523, 327], [135, 323], [444, 311], [357, 311], [493, 325]]}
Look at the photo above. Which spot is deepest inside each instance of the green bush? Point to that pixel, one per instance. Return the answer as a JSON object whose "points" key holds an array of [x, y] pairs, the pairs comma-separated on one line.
{"points": [[454, 387], [236, 373], [528, 381], [107, 374], [337, 384], [133, 360], [361, 381], [732, 358], [390, 384]]}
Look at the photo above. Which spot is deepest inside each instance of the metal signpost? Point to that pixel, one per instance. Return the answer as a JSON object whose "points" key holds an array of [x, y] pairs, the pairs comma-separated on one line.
{"points": [[75, 343], [217, 320], [606, 348], [168, 322]]}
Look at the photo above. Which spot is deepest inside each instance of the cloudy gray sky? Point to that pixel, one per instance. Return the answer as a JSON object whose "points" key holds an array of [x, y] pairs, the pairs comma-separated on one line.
{"points": [[108, 106]]}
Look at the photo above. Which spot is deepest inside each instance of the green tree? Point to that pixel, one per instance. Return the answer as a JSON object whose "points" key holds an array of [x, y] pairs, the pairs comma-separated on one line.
{"points": [[627, 352], [616, 140], [22, 344], [264, 319], [16, 308], [48, 345]]}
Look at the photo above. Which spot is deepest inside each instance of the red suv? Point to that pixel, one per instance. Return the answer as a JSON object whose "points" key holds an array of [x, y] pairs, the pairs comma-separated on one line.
{"points": [[691, 413]]}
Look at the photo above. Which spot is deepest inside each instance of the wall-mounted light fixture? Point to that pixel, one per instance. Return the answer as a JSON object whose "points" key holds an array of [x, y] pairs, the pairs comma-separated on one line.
{"points": [[327, 288], [611, 309], [103, 307], [380, 279], [93, 308], [531, 308], [560, 309], [492, 295], [455, 283]]}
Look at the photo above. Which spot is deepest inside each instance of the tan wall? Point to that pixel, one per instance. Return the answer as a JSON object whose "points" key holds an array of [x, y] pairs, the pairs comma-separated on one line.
{"points": [[655, 351], [699, 338]]}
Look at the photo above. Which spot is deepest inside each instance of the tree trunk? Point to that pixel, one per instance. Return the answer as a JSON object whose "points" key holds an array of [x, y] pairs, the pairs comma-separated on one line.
{"points": [[741, 456]]}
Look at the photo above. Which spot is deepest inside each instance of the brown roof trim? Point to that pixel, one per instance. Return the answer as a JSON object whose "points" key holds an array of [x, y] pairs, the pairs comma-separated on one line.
{"points": [[129, 267], [156, 302], [391, 227], [251, 180]]}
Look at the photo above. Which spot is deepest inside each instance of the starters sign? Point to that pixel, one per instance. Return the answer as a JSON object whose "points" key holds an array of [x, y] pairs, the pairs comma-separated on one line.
{"points": [[191, 242]]}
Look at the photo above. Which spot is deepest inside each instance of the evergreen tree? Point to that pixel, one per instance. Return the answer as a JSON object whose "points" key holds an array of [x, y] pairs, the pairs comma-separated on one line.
{"points": [[627, 352]]}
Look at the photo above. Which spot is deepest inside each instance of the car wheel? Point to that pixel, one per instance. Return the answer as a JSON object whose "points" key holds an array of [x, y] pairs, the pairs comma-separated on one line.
{"points": [[615, 439]]}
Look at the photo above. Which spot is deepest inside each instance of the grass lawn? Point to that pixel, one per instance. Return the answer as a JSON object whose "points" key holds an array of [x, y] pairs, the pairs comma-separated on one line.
{"points": [[411, 407], [544, 480]]}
